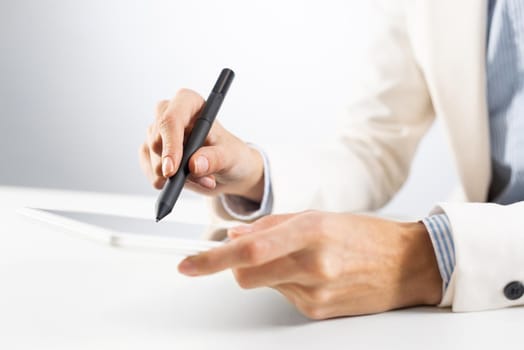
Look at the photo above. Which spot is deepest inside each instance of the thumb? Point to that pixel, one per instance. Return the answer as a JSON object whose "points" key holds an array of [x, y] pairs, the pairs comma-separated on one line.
{"points": [[208, 160], [263, 223], [172, 125]]}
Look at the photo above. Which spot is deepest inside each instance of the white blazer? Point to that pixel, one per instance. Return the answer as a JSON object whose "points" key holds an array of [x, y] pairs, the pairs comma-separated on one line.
{"points": [[426, 59]]}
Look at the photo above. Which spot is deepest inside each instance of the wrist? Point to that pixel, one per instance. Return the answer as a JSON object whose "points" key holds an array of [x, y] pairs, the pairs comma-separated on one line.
{"points": [[252, 186], [422, 282]]}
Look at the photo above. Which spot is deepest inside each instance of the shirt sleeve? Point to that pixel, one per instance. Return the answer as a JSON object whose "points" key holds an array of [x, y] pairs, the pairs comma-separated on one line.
{"points": [[439, 229], [240, 208]]}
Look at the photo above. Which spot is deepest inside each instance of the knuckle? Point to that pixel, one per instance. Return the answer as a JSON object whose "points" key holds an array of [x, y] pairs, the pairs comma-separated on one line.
{"points": [[184, 92], [270, 219], [312, 311], [161, 105], [214, 134], [150, 131], [316, 224], [156, 146], [157, 169], [143, 150], [310, 214], [158, 182], [215, 157], [310, 218], [189, 95], [320, 295], [263, 221], [150, 140], [165, 121], [243, 280], [254, 251], [322, 268]]}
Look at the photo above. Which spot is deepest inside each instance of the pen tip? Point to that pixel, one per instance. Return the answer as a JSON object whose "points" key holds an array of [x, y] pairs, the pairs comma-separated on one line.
{"points": [[162, 211]]}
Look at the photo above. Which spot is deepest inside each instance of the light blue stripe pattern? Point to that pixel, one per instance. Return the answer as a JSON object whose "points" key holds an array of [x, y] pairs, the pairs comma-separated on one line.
{"points": [[505, 80], [439, 229]]}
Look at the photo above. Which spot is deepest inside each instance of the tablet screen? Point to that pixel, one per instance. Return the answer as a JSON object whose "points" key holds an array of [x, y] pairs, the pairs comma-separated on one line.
{"points": [[147, 227]]}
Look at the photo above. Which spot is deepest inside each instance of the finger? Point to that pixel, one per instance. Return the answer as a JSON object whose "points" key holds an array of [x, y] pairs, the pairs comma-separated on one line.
{"points": [[205, 182], [154, 137], [145, 163], [250, 250], [280, 271], [154, 156], [172, 123], [261, 224], [209, 160]]}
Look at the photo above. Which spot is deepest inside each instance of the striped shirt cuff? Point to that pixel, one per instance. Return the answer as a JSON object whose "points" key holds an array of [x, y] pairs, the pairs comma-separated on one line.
{"points": [[439, 229]]}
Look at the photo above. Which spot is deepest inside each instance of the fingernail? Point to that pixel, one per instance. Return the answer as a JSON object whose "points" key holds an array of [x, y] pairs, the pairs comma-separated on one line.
{"points": [[186, 267], [202, 164], [167, 166]]}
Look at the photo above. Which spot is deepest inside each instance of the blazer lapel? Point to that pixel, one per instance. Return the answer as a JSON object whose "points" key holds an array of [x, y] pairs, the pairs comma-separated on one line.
{"points": [[450, 43]]}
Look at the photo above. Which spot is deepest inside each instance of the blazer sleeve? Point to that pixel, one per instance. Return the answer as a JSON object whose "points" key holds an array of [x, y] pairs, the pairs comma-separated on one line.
{"points": [[368, 158], [489, 255]]}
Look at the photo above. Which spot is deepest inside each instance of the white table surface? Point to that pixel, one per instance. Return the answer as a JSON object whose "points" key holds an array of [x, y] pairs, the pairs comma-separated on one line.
{"points": [[58, 291]]}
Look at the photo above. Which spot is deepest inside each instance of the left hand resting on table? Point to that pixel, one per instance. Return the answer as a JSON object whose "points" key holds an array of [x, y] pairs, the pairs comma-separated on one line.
{"points": [[330, 264]]}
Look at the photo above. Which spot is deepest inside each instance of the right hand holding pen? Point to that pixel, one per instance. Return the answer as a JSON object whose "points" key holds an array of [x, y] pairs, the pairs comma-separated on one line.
{"points": [[224, 164]]}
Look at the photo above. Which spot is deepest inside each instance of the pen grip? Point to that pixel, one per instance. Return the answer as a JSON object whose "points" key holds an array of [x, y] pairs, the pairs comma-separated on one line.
{"points": [[175, 184], [195, 141]]}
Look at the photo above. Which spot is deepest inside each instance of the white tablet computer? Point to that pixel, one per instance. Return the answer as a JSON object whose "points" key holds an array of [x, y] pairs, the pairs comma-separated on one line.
{"points": [[120, 231]]}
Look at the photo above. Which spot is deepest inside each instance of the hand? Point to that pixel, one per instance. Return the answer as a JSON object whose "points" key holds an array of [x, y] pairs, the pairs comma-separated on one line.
{"points": [[225, 164], [330, 264]]}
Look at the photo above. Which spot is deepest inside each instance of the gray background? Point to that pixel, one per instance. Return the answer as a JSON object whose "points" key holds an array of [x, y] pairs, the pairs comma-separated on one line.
{"points": [[79, 81]]}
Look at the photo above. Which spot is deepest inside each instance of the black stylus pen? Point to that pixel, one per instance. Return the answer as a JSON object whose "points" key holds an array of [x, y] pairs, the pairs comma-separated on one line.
{"points": [[174, 185]]}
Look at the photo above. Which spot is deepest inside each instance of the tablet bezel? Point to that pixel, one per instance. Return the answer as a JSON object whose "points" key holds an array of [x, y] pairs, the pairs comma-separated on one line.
{"points": [[117, 239]]}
